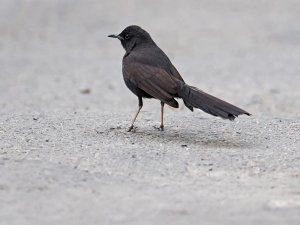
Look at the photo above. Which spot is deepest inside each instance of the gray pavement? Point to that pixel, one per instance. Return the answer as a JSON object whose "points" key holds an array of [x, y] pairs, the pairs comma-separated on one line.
{"points": [[65, 155]]}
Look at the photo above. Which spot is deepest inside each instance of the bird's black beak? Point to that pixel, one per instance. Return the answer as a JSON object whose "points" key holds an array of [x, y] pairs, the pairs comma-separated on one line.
{"points": [[116, 36]]}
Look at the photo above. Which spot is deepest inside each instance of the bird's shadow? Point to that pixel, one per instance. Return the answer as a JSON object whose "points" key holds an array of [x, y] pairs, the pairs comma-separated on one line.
{"points": [[187, 137]]}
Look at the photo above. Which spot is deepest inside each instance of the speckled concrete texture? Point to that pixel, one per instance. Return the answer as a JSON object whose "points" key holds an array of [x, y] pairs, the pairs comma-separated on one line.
{"points": [[65, 155]]}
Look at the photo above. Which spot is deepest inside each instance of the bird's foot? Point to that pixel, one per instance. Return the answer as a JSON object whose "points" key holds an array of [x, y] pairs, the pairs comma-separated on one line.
{"points": [[131, 129], [160, 128]]}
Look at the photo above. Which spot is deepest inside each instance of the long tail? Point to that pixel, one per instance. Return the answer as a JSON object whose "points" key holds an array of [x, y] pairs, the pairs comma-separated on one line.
{"points": [[195, 98]]}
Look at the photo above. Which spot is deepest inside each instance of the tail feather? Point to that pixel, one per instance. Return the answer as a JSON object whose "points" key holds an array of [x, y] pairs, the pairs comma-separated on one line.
{"points": [[195, 98]]}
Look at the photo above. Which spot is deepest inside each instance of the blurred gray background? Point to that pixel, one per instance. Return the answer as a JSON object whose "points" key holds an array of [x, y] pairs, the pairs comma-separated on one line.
{"points": [[65, 156]]}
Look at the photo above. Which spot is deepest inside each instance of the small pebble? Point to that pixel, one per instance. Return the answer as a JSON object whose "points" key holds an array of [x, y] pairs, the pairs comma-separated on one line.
{"points": [[85, 91]]}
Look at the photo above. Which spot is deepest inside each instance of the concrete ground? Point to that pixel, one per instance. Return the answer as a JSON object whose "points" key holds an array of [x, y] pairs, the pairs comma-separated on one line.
{"points": [[65, 155]]}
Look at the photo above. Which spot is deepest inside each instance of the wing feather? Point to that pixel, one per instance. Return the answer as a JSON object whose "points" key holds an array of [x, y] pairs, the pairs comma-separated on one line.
{"points": [[154, 81]]}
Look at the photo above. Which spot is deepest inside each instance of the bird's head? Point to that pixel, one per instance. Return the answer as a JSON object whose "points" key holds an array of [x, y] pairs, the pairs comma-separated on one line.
{"points": [[133, 36]]}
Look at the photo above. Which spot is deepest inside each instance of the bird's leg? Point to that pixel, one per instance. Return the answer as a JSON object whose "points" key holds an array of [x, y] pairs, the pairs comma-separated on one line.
{"points": [[137, 113], [162, 116]]}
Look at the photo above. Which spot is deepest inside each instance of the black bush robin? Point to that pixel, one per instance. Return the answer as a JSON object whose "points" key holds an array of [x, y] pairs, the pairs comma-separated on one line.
{"points": [[149, 73]]}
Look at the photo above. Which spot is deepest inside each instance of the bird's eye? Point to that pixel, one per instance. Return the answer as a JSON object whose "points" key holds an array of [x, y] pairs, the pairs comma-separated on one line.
{"points": [[126, 36]]}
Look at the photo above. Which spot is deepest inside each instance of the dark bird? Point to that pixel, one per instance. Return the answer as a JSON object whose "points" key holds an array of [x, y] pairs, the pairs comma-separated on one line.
{"points": [[149, 73]]}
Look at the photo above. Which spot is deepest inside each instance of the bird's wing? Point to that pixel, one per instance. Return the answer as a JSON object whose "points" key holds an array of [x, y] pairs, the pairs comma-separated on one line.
{"points": [[155, 57], [175, 72], [153, 80]]}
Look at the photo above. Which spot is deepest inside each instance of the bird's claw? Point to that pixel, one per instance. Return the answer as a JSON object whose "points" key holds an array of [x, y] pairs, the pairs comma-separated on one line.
{"points": [[131, 129], [160, 128]]}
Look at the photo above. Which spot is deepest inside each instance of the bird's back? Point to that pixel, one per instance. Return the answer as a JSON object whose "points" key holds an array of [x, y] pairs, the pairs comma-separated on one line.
{"points": [[152, 55]]}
